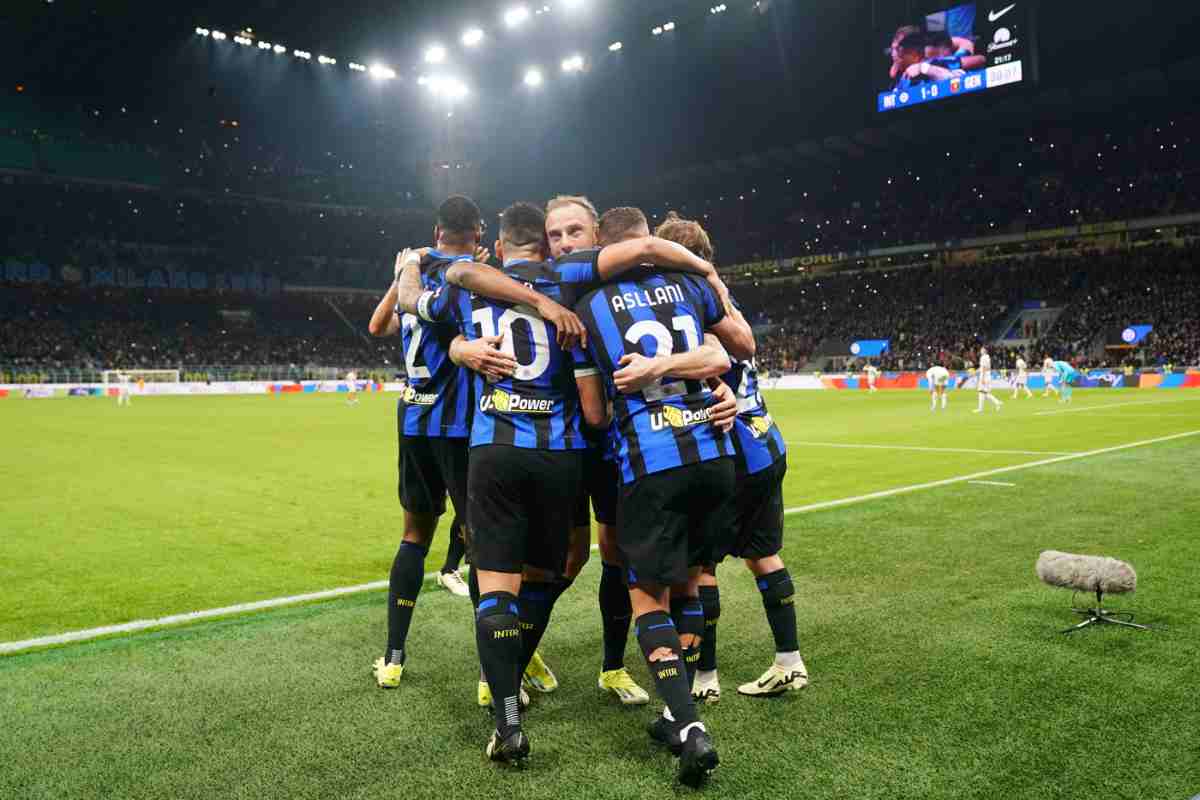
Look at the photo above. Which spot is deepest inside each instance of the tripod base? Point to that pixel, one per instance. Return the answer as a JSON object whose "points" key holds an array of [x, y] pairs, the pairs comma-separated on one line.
{"points": [[1101, 616]]}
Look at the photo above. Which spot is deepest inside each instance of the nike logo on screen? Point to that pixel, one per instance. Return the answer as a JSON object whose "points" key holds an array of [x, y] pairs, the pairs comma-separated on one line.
{"points": [[995, 15]]}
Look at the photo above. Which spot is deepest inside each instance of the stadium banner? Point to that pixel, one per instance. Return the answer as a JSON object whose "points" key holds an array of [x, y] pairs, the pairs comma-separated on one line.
{"points": [[870, 348], [37, 272], [43, 390]]}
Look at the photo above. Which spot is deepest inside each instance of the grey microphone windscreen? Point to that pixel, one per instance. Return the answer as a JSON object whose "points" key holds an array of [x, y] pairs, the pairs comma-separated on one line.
{"points": [[1086, 573]]}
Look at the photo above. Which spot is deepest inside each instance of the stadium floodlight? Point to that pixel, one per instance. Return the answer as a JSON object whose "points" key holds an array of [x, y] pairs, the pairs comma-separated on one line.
{"points": [[573, 64], [516, 15], [220, 37], [307, 56], [326, 60], [436, 54], [472, 36], [357, 67], [718, 9], [615, 47], [669, 26], [382, 72], [264, 45], [533, 77], [244, 41], [656, 30], [203, 31], [279, 49]]}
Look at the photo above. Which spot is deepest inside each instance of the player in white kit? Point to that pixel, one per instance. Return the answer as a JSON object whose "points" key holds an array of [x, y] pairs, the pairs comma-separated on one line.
{"points": [[872, 376], [123, 389], [352, 384], [938, 377], [1049, 373], [1022, 379], [985, 381]]}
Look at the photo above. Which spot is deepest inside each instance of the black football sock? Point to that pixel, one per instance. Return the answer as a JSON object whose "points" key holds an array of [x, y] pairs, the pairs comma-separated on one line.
{"points": [[616, 613], [777, 596], [710, 598], [404, 584], [498, 637], [535, 604], [655, 631], [455, 549], [688, 616]]}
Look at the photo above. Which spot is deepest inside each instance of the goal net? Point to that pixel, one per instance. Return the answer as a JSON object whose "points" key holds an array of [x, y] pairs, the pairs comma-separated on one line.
{"points": [[142, 375]]}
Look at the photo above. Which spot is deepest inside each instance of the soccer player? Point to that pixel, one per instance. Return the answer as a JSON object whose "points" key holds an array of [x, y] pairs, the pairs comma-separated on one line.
{"points": [[937, 376], [1066, 373], [526, 439], [761, 463], [1049, 373], [984, 377], [433, 421], [449, 578], [1021, 381], [872, 374], [123, 394], [677, 479], [352, 385]]}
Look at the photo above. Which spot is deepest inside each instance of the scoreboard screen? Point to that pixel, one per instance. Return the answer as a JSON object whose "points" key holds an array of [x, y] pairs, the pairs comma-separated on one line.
{"points": [[967, 49]]}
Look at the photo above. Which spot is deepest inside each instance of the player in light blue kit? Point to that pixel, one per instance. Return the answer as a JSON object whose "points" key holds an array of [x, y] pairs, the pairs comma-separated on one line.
{"points": [[1066, 374]]}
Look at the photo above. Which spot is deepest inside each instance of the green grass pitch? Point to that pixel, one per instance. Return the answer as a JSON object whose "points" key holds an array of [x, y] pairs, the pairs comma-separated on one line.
{"points": [[937, 669]]}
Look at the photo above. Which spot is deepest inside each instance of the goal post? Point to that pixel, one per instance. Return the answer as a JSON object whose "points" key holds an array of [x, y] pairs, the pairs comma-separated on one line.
{"points": [[113, 376]]}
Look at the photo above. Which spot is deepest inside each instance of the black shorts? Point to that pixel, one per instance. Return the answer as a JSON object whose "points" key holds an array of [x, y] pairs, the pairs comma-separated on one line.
{"points": [[518, 511], [600, 482], [758, 513], [430, 468], [670, 521]]}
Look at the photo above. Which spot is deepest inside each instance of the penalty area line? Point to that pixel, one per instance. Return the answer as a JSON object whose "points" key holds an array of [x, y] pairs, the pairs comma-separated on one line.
{"points": [[974, 476], [990, 483], [1108, 406]]}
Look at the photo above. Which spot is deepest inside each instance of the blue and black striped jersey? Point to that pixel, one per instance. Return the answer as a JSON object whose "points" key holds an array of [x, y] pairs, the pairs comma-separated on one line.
{"points": [[756, 437], [538, 407], [653, 313], [437, 400]]}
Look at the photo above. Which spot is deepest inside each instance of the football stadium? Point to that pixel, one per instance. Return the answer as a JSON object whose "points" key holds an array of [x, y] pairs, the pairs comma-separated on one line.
{"points": [[600, 399]]}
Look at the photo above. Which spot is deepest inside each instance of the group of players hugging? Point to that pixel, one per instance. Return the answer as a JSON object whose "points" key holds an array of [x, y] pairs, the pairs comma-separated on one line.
{"points": [[598, 362]]}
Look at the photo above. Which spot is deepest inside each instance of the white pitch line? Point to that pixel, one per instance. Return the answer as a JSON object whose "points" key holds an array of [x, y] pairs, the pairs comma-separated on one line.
{"points": [[846, 501], [1106, 407], [933, 449], [194, 616], [278, 602], [990, 483]]}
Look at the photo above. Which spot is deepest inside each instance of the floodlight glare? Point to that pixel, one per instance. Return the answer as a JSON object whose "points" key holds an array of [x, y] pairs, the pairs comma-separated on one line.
{"points": [[326, 60], [615, 46], [219, 36], [533, 77], [264, 45], [382, 72], [515, 16], [357, 67], [302, 54], [279, 49], [572, 64], [656, 30], [472, 37], [202, 31], [435, 54], [670, 26]]}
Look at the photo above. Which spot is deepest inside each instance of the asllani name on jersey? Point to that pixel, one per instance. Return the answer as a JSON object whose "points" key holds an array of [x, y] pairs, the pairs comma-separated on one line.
{"points": [[415, 398], [511, 403], [672, 417], [647, 298]]}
